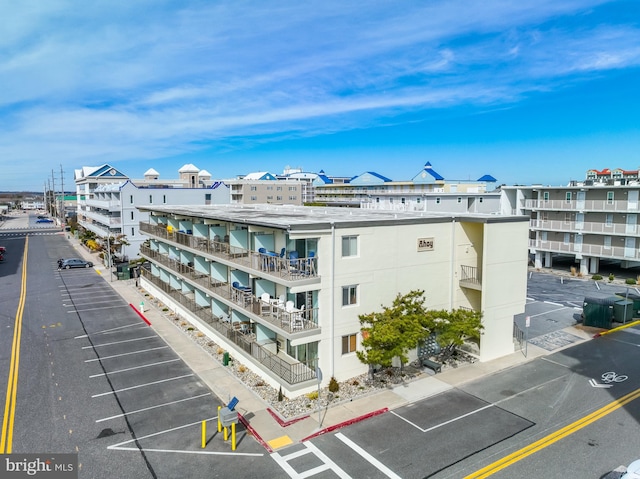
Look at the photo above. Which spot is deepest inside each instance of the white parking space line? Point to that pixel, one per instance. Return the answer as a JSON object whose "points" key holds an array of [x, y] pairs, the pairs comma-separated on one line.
{"points": [[119, 446], [125, 354], [368, 457], [99, 309], [142, 385], [134, 368], [546, 312], [551, 302], [119, 342], [152, 407], [109, 330]]}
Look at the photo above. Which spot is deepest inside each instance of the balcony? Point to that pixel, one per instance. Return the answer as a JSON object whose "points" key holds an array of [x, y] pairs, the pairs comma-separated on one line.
{"points": [[280, 268], [286, 368], [600, 251], [584, 205], [104, 204], [111, 221], [584, 227], [267, 313], [470, 277]]}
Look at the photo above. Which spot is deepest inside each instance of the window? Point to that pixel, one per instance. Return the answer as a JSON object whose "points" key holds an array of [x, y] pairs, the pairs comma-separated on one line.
{"points": [[133, 232], [402, 200], [608, 219], [254, 198], [278, 188], [437, 201], [164, 199], [270, 198], [607, 242], [459, 200], [391, 200], [568, 197], [278, 198], [609, 197], [481, 199], [349, 295], [567, 238], [567, 218], [150, 199], [207, 196], [293, 198], [131, 199], [254, 188], [545, 196], [348, 344], [418, 200], [543, 236], [293, 188], [132, 215], [349, 246]]}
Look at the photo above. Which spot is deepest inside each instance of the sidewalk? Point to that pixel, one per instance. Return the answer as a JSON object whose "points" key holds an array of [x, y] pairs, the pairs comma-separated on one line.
{"points": [[262, 424]]}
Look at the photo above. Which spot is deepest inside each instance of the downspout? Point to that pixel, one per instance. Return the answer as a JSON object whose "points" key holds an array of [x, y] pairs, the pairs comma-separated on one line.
{"points": [[332, 301], [453, 261]]}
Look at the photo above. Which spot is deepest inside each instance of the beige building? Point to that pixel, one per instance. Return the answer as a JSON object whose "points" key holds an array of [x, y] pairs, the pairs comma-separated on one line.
{"points": [[588, 221], [263, 187], [281, 287]]}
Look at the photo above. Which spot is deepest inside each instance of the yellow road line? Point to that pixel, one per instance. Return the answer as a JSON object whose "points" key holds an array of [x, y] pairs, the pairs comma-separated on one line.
{"points": [[553, 437], [6, 441]]}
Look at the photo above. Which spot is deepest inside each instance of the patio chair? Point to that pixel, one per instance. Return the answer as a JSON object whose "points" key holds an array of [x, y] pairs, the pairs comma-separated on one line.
{"points": [[265, 305]]}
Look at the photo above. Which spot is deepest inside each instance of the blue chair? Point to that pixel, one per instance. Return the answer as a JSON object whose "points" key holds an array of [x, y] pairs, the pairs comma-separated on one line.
{"points": [[237, 285], [262, 250], [283, 252], [293, 260]]}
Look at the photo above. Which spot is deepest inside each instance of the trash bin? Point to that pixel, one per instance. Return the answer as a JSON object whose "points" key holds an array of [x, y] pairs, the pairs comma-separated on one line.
{"points": [[225, 359]]}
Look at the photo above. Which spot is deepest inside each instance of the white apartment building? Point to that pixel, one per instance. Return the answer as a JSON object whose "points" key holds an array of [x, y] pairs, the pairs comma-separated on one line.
{"points": [[426, 191], [108, 201], [282, 287], [590, 221]]}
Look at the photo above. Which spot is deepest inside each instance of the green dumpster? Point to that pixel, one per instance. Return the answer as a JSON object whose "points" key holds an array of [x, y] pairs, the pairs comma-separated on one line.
{"points": [[623, 311], [225, 359], [598, 311]]}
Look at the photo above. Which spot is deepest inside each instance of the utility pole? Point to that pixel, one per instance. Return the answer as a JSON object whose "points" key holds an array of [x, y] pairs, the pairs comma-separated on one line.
{"points": [[62, 212], [53, 192]]}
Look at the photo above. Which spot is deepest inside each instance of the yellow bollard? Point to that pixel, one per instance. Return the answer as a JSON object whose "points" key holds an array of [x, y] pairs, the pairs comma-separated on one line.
{"points": [[233, 436], [204, 434], [219, 423], [226, 433]]}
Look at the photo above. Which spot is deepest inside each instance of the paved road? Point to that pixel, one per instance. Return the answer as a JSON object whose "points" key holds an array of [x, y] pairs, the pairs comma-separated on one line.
{"points": [[96, 380]]}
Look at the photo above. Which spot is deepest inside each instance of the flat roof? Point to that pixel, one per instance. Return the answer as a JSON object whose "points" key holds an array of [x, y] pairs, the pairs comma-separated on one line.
{"points": [[311, 217]]}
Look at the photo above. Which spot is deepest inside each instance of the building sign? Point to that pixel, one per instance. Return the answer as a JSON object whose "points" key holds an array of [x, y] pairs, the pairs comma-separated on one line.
{"points": [[425, 244]]}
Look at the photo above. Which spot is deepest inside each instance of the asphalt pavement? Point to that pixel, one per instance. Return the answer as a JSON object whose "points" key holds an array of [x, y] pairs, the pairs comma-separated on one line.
{"points": [[273, 432]]}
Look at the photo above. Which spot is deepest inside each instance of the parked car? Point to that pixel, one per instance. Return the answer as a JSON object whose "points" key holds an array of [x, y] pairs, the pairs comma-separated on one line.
{"points": [[3, 250], [44, 220], [75, 263]]}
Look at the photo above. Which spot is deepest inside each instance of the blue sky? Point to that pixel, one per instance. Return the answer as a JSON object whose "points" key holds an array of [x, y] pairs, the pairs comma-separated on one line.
{"points": [[529, 91]]}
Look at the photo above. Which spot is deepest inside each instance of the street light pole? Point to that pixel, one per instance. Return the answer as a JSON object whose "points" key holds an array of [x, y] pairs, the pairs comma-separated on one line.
{"points": [[109, 257]]}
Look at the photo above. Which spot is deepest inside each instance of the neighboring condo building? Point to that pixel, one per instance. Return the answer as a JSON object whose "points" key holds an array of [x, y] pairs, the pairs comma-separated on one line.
{"points": [[589, 221], [108, 200], [426, 191], [263, 187], [281, 287]]}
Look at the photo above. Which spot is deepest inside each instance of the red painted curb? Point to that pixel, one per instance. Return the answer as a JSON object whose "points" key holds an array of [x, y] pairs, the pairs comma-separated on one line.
{"points": [[346, 423], [254, 433], [285, 423], [596, 336], [140, 314]]}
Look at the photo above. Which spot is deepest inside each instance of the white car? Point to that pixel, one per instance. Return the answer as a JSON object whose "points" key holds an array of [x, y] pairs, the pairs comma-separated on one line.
{"points": [[633, 471]]}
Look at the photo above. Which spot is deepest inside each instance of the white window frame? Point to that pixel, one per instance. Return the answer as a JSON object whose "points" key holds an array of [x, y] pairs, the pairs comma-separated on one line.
{"points": [[352, 246], [350, 295]]}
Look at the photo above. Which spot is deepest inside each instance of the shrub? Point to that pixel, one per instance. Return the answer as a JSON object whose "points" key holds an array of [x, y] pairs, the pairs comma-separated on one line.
{"points": [[183, 323], [355, 382], [630, 281], [313, 395], [334, 387], [573, 271], [200, 334], [611, 277], [596, 277], [242, 368], [190, 328], [165, 309], [220, 350]]}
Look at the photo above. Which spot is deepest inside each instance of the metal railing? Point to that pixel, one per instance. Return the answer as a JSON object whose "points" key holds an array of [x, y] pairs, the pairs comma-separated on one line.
{"points": [[284, 268], [272, 313], [291, 372], [470, 274]]}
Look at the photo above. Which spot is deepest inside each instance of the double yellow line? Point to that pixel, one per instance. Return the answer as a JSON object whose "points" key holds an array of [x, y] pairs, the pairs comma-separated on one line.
{"points": [[6, 442], [553, 437]]}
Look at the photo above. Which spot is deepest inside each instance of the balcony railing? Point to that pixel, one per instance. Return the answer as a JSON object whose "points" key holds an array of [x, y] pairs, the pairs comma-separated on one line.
{"points": [[613, 252], [582, 205], [290, 372], [288, 321], [284, 268], [470, 277], [584, 227]]}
